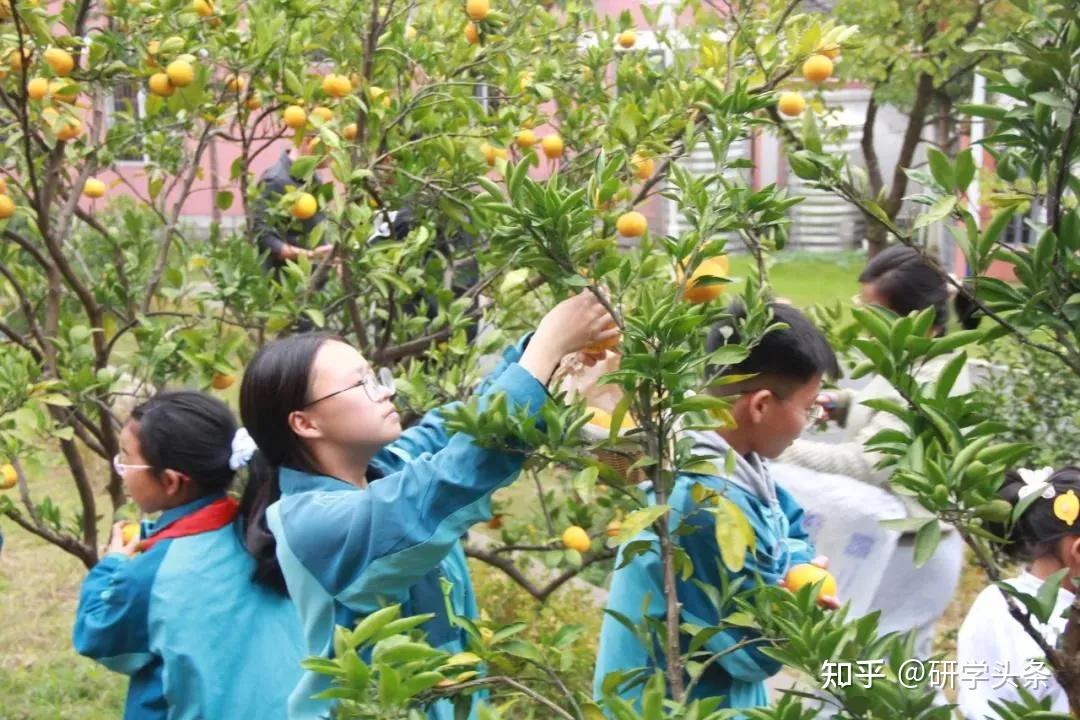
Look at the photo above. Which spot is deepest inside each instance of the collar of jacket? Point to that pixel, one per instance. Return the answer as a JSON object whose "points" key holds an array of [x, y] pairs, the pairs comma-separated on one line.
{"points": [[293, 481], [173, 514]]}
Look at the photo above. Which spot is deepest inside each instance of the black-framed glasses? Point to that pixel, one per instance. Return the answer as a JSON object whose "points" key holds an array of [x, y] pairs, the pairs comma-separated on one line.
{"points": [[377, 385]]}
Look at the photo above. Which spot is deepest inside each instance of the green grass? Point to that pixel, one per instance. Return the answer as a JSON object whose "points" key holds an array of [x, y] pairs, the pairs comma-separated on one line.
{"points": [[41, 675], [806, 278]]}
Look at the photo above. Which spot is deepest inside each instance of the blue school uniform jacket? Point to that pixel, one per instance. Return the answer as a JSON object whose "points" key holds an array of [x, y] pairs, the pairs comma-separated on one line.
{"points": [[200, 640], [347, 551], [739, 676]]}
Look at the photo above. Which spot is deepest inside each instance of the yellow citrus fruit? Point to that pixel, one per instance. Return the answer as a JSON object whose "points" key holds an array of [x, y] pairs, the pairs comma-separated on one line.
{"points": [[613, 528], [202, 8], [337, 86], [350, 131], [17, 59], [305, 206], [68, 129], [598, 348], [180, 73], [817, 69], [8, 476], [631, 224], [235, 83], [831, 51], [791, 104], [477, 10], [643, 166], [472, 33], [294, 117], [37, 88], [807, 574], [575, 538], [129, 532], [94, 188], [7, 207], [602, 419], [379, 95], [526, 139], [3, 186], [323, 113], [159, 85], [253, 103], [223, 381], [627, 38], [715, 266], [60, 61], [552, 145]]}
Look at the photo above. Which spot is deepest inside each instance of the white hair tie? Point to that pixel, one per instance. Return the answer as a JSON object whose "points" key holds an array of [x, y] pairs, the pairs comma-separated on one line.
{"points": [[1036, 481], [243, 447]]}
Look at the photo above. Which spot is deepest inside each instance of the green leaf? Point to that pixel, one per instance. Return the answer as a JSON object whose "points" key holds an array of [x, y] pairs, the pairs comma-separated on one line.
{"points": [[938, 211], [941, 169], [811, 135], [224, 199], [926, 541], [993, 112], [965, 169], [637, 521]]}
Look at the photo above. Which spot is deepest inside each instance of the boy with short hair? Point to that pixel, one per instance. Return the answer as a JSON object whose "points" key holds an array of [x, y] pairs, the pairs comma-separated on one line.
{"points": [[771, 409]]}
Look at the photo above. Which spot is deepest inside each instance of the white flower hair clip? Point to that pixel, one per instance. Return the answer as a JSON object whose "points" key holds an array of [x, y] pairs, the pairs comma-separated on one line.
{"points": [[243, 447], [1036, 481]]}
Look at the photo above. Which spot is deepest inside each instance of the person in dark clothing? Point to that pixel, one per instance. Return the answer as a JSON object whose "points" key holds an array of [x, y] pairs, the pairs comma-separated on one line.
{"points": [[281, 237], [464, 273]]}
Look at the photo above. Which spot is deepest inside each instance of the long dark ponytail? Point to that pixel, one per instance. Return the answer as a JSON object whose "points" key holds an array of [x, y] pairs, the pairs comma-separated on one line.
{"points": [[275, 385]]}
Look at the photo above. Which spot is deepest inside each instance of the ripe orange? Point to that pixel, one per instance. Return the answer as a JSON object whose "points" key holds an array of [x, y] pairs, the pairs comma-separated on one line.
{"points": [[575, 538], [716, 266], [817, 69], [807, 574], [632, 224], [791, 104]]}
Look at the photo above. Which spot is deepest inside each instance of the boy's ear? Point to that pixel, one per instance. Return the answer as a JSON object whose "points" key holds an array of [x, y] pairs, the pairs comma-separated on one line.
{"points": [[757, 404]]}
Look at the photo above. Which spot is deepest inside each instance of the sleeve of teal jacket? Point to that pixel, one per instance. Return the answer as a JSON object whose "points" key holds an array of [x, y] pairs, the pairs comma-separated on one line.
{"points": [[429, 435], [112, 621], [375, 544], [799, 543]]}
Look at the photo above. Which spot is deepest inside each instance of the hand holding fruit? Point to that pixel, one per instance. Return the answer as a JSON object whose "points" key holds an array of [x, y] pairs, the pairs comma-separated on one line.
{"points": [[125, 538], [570, 326], [808, 574]]}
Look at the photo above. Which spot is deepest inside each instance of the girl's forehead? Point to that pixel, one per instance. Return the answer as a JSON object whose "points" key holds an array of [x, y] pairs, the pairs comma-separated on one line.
{"points": [[338, 359]]}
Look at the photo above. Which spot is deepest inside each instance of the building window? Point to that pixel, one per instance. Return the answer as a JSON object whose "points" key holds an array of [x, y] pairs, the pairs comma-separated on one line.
{"points": [[128, 100]]}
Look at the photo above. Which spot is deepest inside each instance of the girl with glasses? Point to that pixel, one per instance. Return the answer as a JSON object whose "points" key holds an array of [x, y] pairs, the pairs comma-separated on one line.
{"points": [[350, 513], [175, 607]]}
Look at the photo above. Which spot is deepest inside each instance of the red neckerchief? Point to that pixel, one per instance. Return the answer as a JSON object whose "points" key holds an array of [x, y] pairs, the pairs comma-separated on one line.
{"points": [[214, 516]]}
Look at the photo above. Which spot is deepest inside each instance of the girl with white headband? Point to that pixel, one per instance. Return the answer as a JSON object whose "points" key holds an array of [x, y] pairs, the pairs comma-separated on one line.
{"points": [[174, 606], [995, 654]]}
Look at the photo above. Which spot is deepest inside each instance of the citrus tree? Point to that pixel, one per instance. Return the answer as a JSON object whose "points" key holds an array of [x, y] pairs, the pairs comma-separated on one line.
{"points": [[527, 142]]}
